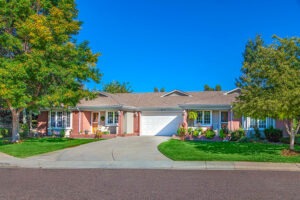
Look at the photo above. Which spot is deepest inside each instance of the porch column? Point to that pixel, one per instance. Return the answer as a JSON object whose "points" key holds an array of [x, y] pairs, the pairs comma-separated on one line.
{"points": [[120, 122]]}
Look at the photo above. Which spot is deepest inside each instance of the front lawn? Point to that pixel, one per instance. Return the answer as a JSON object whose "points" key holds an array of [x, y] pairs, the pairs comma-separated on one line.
{"points": [[35, 146], [226, 151]]}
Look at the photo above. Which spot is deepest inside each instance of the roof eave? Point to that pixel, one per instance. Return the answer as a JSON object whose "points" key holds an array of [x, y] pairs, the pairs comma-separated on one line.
{"points": [[206, 106]]}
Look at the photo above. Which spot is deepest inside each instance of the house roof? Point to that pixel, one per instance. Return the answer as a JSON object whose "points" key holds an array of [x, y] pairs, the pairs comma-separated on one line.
{"points": [[162, 100]]}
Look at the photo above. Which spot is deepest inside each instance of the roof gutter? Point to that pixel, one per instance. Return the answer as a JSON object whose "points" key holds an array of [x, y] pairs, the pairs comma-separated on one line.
{"points": [[205, 106]]}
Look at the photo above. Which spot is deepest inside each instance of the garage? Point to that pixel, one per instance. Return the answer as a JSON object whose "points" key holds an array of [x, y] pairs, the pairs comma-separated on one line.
{"points": [[160, 123]]}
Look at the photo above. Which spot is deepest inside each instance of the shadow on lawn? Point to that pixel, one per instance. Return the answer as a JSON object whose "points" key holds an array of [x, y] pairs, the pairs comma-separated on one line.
{"points": [[237, 148]]}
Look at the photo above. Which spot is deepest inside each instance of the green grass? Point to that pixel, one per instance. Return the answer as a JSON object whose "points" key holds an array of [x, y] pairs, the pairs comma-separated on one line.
{"points": [[226, 151], [35, 146]]}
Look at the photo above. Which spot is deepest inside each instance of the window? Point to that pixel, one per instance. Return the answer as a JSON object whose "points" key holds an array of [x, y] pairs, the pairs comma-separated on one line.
{"points": [[60, 119], [204, 117], [112, 118], [259, 123]]}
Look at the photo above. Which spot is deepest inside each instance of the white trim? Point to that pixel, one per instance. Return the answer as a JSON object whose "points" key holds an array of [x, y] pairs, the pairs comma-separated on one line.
{"points": [[178, 91], [114, 119], [63, 118], [220, 118], [247, 121], [202, 124], [232, 91]]}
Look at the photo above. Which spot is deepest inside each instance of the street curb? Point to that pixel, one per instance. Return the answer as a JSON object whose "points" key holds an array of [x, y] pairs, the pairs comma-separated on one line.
{"points": [[165, 165]]}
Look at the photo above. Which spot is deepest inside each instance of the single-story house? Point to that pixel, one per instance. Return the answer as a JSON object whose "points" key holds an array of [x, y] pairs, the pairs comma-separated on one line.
{"points": [[157, 113]]}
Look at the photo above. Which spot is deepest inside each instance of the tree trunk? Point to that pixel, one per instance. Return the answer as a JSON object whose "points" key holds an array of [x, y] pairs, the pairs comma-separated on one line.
{"points": [[30, 123], [15, 126], [289, 128], [292, 141]]}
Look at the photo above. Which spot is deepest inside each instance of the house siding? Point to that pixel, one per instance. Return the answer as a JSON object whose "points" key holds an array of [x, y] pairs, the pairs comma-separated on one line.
{"points": [[42, 123], [280, 125], [86, 121], [215, 120], [234, 123], [75, 122]]}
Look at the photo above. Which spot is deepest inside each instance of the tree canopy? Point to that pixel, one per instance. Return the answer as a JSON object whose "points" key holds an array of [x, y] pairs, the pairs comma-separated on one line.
{"points": [[270, 82], [208, 88], [159, 90], [41, 65], [117, 87]]}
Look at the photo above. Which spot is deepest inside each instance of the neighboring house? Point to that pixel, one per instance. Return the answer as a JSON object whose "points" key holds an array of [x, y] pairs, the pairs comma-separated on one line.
{"points": [[148, 113]]}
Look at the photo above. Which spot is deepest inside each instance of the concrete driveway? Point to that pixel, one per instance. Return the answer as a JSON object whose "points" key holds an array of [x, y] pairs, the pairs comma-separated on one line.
{"points": [[136, 148]]}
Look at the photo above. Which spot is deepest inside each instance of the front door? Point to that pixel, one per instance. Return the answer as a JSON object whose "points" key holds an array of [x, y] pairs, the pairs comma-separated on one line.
{"points": [[224, 119]]}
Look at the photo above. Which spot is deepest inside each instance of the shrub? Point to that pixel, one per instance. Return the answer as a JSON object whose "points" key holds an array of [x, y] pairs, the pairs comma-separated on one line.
{"points": [[243, 139], [62, 133], [273, 134], [210, 134], [222, 134], [4, 132], [238, 134], [257, 133], [24, 131], [98, 134], [190, 131], [196, 132], [181, 131]]}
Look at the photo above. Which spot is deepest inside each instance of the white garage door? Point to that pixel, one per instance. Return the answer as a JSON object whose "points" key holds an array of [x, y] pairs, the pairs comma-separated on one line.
{"points": [[160, 123]]}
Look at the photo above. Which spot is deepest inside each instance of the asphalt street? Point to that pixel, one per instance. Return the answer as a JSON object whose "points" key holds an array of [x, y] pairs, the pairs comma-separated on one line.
{"points": [[146, 184]]}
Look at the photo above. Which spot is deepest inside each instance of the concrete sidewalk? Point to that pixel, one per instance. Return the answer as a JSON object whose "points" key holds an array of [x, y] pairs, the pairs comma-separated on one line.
{"points": [[171, 165]]}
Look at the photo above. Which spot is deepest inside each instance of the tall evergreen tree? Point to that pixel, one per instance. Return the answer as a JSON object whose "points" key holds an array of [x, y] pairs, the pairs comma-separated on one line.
{"points": [[40, 63]]}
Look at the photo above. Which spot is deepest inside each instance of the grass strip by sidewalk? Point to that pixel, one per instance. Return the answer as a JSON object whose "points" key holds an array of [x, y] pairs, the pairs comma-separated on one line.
{"points": [[226, 151], [35, 146]]}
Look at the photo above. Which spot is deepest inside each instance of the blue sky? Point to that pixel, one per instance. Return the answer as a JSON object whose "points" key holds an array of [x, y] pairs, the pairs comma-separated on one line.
{"points": [[179, 44]]}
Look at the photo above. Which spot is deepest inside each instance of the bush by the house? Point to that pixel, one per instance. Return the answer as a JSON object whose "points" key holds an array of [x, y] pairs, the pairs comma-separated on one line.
{"points": [[190, 131], [222, 134], [4, 133], [243, 139], [98, 134], [197, 132], [273, 134], [24, 131], [238, 134], [210, 134], [286, 140], [257, 133], [181, 131], [62, 133]]}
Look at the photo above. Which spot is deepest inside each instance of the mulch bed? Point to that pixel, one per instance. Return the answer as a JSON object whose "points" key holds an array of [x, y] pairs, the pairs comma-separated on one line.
{"points": [[287, 152]]}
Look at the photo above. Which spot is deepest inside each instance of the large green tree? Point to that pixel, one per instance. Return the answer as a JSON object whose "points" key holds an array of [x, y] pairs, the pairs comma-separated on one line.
{"points": [[41, 65], [270, 82], [117, 87]]}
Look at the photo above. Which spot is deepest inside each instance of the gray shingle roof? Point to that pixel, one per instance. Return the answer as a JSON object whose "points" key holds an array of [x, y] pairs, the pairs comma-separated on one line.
{"points": [[158, 100]]}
